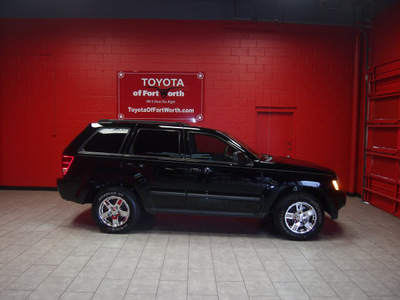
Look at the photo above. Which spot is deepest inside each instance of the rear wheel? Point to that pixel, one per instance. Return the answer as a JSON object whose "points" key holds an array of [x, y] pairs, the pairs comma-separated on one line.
{"points": [[115, 210], [299, 216]]}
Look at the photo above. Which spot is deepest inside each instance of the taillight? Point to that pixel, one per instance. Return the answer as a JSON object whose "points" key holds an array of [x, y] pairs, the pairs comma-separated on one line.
{"points": [[66, 163]]}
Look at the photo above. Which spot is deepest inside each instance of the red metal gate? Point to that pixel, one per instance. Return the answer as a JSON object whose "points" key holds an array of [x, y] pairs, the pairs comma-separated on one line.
{"points": [[382, 151]]}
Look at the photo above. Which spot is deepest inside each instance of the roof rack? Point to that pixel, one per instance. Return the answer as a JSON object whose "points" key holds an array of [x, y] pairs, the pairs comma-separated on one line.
{"points": [[142, 121]]}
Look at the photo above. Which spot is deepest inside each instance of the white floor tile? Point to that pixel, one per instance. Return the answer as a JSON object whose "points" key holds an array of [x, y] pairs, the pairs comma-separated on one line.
{"points": [[51, 249]]}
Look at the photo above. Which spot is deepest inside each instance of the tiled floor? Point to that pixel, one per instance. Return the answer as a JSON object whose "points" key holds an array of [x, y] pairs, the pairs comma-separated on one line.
{"points": [[51, 249]]}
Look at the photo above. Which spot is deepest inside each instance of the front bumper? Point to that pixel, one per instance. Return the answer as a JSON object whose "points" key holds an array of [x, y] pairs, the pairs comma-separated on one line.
{"points": [[336, 200]]}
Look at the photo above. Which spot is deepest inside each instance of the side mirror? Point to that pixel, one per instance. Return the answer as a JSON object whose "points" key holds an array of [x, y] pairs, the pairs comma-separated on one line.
{"points": [[241, 158]]}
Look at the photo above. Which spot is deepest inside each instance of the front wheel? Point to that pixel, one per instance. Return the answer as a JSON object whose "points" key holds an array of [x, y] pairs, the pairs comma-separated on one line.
{"points": [[299, 216], [115, 210]]}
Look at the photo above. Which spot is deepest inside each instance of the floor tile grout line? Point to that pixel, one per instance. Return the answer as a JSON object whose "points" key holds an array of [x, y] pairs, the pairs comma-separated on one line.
{"points": [[213, 264], [35, 263], [188, 267], [162, 266], [76, 275], [105, 274], [266, 271], [133, 274]]}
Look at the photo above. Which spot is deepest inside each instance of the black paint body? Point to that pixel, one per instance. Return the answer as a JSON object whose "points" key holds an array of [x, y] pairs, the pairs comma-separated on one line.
{"points": [[242, 183]]}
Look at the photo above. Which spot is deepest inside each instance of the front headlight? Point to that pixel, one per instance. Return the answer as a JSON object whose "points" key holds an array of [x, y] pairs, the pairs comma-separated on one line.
{"points": [[335, 184]]}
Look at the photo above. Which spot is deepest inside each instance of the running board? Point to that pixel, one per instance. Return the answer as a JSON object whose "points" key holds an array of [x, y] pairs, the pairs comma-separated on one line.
{"points": [[206, 213]]}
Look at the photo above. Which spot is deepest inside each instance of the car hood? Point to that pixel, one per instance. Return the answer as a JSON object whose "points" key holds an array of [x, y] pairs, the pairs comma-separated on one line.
{"points": [[290, 164]]}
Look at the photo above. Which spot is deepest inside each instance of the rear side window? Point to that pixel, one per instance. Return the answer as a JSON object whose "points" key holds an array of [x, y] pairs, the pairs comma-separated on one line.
{"points": [[106, 140], [156, 143]]}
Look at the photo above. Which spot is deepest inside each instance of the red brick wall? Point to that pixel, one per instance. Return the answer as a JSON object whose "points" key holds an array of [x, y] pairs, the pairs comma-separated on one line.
{"points": [[60, 74]]}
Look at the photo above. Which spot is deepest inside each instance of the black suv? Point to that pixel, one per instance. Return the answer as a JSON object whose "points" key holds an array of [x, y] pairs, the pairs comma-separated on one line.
{"points": [[124, 167]]}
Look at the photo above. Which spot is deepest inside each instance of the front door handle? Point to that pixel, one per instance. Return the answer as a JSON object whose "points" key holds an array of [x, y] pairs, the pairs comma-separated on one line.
{"points": [[204, 171], [196, 170]]}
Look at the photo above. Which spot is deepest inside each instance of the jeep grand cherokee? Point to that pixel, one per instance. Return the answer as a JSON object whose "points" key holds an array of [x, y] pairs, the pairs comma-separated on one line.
{"points": [[125, 167]]}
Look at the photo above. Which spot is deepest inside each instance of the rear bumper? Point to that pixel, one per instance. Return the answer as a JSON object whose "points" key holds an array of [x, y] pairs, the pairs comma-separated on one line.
{"points": [[69, 190]]}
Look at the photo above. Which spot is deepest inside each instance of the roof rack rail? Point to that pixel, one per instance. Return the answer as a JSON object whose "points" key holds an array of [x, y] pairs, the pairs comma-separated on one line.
{"points": [[142, 121]]}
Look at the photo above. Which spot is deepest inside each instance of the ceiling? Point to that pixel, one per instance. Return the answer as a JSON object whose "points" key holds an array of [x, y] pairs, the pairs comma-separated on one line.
{"points": [[326, 12]]}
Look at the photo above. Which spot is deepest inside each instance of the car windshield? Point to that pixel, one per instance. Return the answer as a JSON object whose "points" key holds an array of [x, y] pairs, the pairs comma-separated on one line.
{"points": [[248, 148]]}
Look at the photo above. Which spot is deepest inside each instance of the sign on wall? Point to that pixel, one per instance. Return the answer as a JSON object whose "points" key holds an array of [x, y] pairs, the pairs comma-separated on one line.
{"points": [[168, 96]]}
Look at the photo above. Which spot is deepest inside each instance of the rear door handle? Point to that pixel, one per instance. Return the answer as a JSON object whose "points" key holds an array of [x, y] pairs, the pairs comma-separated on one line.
{"points": [[135, 165]]}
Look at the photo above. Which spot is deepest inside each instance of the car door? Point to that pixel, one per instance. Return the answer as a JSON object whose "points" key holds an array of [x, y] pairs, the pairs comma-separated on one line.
{"points": [[155, 165], [220, 176]]}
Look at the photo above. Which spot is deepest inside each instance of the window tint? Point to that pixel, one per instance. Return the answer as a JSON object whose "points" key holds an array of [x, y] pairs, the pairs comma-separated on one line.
{"points": [[156, 143], [208, 147], [107, 140]]}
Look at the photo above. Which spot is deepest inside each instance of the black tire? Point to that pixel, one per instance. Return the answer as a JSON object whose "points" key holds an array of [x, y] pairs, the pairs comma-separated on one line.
{"points": [[115, 210], [299, 216]]}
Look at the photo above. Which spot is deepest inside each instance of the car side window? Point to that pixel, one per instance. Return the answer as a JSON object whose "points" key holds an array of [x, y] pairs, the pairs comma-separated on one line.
{"points": [[207, 147], [153, 142], [106, 140]]}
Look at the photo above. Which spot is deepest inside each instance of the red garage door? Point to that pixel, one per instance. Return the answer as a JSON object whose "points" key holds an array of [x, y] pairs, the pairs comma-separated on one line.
{"points": [[382, 152]]}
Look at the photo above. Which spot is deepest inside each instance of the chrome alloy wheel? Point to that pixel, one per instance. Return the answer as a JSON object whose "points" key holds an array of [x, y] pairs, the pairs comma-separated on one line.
{"points": [[301, 217], [114, 211]]}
